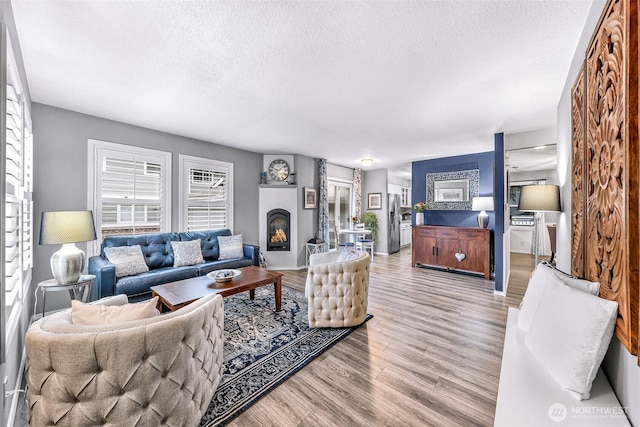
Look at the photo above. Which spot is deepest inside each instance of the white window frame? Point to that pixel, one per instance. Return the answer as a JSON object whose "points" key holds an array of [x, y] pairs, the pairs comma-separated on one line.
{"points": [[188, 162], [97, 150]]}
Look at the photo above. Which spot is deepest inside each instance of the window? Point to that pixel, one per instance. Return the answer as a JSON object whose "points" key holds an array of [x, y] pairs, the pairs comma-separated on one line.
{"points": [[129, 189], [16, 200], [206, 194]]}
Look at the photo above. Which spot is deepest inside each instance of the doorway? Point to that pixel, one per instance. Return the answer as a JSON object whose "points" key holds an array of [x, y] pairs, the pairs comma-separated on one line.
{"points": [[527, 166], [340, 206]]}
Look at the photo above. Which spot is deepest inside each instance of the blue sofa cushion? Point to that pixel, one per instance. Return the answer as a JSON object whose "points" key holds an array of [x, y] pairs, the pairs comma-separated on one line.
{"points": [[208, 241], [156, 248], [132, 285]]}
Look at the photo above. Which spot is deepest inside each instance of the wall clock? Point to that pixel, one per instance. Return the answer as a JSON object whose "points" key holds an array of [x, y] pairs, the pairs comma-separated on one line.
{"points": [[279, 170]]}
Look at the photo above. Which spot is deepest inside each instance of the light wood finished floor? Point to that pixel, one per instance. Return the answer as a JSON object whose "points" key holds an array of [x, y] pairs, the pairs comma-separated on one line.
{"points": [[430, 356]]}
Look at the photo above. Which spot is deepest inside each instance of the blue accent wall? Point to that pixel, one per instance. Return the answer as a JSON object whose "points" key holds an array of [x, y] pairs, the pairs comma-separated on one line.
{"points": [[484, 162], [498, 200], [481, 161]]}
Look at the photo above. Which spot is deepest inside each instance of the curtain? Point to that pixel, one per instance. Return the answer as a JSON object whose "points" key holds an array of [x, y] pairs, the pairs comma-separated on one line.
{"points": [[357, 192], [323, 203]]}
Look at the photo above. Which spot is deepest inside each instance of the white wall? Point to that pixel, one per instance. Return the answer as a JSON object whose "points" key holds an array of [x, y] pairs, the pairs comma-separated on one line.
{"points": [[619, 365]]}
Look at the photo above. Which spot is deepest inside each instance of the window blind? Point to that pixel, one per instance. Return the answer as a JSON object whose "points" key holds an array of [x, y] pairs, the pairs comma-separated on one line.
{"points": [[17, 228], [131, 195], [206, 198]]}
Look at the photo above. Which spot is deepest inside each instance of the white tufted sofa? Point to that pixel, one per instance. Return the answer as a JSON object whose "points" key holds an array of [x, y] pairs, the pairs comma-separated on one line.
{"points": [[337, 291], [152, 372]]}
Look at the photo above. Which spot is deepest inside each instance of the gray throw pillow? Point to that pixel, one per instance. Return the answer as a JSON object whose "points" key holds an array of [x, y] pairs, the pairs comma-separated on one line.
{"points": [[128, 260], [230, 247], [187, 253]]}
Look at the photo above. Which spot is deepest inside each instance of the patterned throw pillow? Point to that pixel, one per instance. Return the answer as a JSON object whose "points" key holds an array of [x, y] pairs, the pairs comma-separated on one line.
{"points": [[128, 260], [187, 253], [347, 255], [230, 247]]}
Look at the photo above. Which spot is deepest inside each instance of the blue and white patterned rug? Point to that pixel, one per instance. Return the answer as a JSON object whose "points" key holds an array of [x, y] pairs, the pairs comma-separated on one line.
{"points": [[263, 348]]}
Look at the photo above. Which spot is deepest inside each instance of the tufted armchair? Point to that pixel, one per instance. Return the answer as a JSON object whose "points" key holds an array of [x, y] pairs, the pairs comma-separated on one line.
{"points": [[152, 372], [337, 291]]}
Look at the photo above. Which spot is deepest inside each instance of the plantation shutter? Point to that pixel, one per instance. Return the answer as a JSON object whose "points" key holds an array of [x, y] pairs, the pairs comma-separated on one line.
{"points": [[132, 196], [206, 202], [18, 207]]}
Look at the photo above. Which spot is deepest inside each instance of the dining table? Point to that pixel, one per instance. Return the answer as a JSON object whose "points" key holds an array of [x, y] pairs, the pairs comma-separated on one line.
{"points": [[355, 233]]}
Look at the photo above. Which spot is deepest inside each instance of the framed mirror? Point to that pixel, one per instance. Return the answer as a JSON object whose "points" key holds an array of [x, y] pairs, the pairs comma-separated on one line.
{"points": [[452, 190]]}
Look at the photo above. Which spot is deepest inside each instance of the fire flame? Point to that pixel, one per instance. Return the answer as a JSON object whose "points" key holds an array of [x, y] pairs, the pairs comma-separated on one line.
{"points": [[279, 236]]}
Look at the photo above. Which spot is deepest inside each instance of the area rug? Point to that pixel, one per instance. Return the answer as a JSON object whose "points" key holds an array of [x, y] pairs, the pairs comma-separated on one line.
{"points": [[263, 348]]}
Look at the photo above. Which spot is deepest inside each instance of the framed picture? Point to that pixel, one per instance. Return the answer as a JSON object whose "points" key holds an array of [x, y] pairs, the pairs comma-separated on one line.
{"points": [[375, 201], [449, 195], [310, 198]]}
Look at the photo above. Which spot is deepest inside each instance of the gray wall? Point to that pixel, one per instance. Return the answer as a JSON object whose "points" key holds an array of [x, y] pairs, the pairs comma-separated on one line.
{"points": [[306, 176], [60, 165], [376, 181], [619, 365]]}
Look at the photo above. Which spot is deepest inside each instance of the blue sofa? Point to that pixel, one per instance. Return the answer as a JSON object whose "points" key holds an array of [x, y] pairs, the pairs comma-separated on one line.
{"points": [[158, 256]]}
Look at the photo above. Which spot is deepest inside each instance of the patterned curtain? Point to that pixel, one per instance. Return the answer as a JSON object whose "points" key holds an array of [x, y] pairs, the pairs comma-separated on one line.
{"points": [[357, 192], [323, 203]]}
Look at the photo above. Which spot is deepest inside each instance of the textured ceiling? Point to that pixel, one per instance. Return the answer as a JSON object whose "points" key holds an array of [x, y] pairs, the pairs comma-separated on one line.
{"points": [[396, 81]]}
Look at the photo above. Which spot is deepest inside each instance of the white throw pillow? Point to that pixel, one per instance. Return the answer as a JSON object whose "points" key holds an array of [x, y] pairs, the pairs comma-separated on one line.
{"points": [[98, 314], [230, 247], [570, 335], [583, 285], [187, 253], [128, 260], [542, 276]]}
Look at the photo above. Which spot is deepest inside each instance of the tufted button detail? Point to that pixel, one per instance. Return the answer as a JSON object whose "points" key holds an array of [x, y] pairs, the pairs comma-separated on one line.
{"points": [[164, 374], [121, 392], [145, 405], [144, 356]]}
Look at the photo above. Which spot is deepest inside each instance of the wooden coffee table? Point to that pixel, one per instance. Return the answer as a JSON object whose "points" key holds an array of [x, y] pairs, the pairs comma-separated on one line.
{"points": [[176, 295]]}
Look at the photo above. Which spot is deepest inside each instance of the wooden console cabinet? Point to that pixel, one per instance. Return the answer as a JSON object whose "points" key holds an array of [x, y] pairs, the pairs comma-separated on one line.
{"points": [[438, 245]]}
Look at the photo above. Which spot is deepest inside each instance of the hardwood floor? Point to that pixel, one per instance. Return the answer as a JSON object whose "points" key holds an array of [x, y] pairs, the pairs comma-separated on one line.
{"points": [[430, 356]]}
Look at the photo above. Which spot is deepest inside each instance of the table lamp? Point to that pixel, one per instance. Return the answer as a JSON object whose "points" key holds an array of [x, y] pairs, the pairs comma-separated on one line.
{"points": [[67, 228], [482, 204], [539, 198]]}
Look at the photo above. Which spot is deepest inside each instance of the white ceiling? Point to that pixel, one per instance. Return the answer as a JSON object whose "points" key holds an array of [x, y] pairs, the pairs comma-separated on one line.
{"points": [[396, 81]]}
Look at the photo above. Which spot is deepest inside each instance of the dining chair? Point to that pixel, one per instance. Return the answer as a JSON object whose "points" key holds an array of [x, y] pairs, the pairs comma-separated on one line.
{"points": [[364, 244], [340, 244]]}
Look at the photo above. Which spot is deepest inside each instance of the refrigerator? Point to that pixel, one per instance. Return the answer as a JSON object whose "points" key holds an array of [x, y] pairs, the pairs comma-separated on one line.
{"points": [[394, 223]]}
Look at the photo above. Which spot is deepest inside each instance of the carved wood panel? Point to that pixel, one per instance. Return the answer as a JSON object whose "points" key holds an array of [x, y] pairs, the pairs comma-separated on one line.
{"points": [[611, 160], [578, 116]]}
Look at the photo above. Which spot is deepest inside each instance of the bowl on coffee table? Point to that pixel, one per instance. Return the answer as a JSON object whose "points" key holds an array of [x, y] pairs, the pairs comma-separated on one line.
{"points": [[224, 275]]}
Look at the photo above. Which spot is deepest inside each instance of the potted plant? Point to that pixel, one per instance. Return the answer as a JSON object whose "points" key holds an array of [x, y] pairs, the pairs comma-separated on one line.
{"points": [[420, 207], [370, 221]]}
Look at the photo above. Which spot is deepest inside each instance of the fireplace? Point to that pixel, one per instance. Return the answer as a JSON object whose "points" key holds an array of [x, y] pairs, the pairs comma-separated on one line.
{"points": [[278, 230]]}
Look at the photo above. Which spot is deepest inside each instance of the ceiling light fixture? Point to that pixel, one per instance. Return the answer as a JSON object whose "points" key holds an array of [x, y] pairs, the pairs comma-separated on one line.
{"points": [[366, 162]]}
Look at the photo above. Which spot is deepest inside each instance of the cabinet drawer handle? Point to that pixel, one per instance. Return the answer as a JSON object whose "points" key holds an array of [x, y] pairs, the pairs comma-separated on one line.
{"points": [[433, 250]]}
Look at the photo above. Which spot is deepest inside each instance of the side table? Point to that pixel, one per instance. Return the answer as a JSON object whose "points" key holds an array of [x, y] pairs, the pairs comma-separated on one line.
{"points": [[314, 248], [81, 290]]}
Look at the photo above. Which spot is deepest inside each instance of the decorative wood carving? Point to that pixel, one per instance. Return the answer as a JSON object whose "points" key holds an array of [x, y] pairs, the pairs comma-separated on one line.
{"points": [[578, 179], [611, 160]]}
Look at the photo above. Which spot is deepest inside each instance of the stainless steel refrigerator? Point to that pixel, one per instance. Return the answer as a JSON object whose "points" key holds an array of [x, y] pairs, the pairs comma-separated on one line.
{"points": [[394, 223]]}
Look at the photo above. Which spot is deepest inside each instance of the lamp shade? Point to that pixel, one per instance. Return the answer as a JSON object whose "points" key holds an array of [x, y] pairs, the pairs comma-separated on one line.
{"points": [[482, 204], [66, 227], [540, 198]]}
